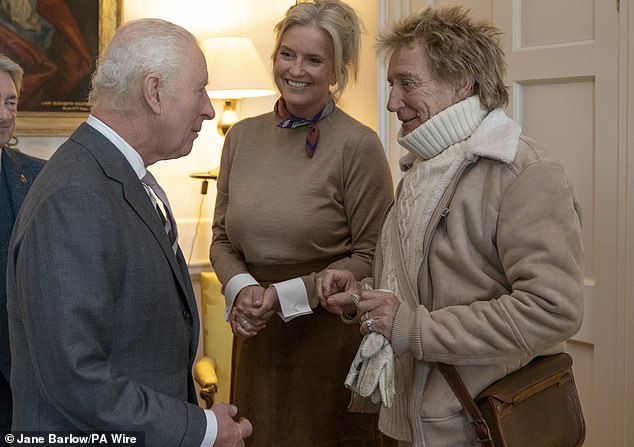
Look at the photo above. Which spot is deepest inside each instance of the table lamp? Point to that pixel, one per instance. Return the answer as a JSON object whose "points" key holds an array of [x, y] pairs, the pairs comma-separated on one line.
{"points": [[235, 72]]}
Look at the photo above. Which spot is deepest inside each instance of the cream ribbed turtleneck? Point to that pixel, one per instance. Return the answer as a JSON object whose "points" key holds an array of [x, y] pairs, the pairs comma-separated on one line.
{"points": [[444, 129]]}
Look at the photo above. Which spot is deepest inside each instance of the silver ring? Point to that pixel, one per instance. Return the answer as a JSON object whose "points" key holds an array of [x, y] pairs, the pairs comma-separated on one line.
{"points": [[355, 298], [244, 321], [369, 324]]}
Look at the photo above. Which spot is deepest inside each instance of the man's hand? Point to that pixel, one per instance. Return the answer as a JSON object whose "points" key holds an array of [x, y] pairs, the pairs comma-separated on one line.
{"points": [[335, 289], [230, 432], [377, 310]]}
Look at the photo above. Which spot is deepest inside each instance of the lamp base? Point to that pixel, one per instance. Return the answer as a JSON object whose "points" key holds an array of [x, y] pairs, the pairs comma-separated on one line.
{"points": [[229, 116]]}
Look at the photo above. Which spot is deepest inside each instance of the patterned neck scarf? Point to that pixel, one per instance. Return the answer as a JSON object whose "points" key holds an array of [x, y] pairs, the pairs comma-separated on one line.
{"points": [[288, 121]]}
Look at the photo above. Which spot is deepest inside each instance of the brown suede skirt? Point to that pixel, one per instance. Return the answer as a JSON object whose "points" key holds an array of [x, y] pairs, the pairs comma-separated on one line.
{"points": [[288, 379]]}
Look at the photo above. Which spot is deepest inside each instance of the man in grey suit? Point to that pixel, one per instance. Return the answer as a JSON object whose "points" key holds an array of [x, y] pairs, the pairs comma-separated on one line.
{"points": [[17, 172], [102, 317]]}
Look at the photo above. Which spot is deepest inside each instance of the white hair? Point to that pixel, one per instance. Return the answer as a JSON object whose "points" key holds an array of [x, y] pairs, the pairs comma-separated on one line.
{"points": [[138, 48]]}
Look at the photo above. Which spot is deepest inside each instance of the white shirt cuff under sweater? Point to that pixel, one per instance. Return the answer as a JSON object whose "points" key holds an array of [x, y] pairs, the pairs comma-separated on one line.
{"points": [[292, 295]]}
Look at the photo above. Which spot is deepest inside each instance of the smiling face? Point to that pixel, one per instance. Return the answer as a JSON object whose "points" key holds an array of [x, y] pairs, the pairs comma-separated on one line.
{"points": [[186, 106], [304, 69], [8, 107], [415, 95]]}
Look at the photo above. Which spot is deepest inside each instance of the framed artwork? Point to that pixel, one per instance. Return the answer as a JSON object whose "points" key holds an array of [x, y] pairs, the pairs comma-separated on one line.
{"points": [[57, 43]]}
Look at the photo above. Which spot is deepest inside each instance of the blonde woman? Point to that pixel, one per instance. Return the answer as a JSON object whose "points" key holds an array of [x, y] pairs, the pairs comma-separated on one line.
{"points": [[301, 189]]}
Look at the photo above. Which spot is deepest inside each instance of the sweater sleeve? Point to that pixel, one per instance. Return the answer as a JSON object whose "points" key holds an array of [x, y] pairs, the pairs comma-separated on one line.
{"points": [[368, 191], [225, 260]]}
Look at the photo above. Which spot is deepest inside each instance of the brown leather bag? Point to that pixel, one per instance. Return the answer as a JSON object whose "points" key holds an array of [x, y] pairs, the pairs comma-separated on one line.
{"points": [[537, 405]]}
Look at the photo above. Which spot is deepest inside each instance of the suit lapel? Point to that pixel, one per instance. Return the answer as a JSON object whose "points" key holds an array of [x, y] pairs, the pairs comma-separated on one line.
{"points": [[116, 167]]}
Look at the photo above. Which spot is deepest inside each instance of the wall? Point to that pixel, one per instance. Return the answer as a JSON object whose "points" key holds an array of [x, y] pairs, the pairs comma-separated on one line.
{"points": [[207, 18]]}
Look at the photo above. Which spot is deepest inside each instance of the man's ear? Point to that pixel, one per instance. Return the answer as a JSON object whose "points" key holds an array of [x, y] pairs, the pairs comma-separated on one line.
{"points": [[463, 89], [152, 90]]}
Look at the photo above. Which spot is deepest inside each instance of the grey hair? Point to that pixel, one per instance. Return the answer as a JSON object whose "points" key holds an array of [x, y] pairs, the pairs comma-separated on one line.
{"points": [[342, 24], [138, 48], [458, 49], [13, 69]]}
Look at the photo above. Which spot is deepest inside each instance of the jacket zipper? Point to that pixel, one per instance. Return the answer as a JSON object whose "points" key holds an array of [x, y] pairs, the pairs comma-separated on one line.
{"points": [[441, 211]]}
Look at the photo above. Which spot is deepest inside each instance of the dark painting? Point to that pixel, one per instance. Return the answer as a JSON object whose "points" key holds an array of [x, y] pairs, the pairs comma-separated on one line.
{"points": [[56, 42]]}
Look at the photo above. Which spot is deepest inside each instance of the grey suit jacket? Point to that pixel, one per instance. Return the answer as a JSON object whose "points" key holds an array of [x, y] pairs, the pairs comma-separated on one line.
{"points": [[102, 316]]}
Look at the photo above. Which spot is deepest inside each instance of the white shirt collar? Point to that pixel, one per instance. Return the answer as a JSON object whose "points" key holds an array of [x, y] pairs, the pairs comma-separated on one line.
{"points": [[128, 151]]}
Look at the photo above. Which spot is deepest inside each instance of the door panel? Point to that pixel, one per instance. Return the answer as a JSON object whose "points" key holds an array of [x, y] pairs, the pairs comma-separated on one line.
{"points": [[563, 65], [540, 22]]}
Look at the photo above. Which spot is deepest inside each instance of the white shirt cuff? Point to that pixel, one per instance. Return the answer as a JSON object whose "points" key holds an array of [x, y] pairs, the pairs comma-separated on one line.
{"points": [[293, 299], [212, 429], [233, 287]]}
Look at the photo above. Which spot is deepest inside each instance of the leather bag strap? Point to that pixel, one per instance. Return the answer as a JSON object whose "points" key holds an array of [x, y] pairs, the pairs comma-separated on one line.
{"points": [[478, 423]]}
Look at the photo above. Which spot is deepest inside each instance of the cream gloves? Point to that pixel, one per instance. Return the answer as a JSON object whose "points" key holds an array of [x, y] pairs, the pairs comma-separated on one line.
{"points": [[372, 371]]}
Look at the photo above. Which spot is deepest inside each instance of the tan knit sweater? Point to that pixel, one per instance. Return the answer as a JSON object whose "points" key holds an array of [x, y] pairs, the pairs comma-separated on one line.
{"points": [[277, 206]]}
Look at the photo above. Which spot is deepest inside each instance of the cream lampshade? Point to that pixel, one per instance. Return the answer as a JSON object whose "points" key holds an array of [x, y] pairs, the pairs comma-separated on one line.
{"points": [[235, 72]]}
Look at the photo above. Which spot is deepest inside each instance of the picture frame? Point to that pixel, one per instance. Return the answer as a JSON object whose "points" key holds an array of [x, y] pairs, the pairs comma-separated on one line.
{"points": [[70, 113]]}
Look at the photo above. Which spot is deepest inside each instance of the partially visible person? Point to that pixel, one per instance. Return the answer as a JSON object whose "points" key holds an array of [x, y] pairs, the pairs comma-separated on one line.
{"points": [[300, 189], [17, 172], [481, 254], [103, 321]]}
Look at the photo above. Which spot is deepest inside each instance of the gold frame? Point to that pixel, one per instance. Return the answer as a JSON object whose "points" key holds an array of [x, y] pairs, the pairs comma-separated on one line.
{"points": [[56, 124]]}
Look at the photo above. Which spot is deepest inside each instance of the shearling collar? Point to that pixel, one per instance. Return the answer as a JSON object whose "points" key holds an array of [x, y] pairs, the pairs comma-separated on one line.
{"points": [[492, 135]]}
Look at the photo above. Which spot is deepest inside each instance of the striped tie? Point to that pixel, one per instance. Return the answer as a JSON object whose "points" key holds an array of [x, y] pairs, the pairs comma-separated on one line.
{"points": [[169, 223]]}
